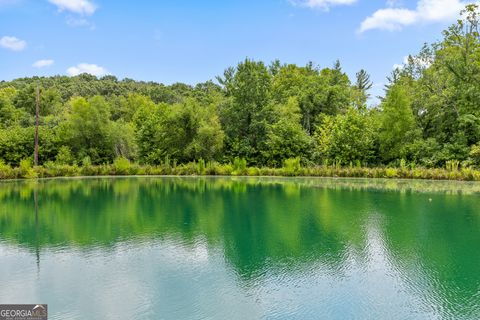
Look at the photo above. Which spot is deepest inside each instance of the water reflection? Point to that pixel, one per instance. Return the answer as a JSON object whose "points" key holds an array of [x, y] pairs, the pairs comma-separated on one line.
{"points": [[242, 247]]}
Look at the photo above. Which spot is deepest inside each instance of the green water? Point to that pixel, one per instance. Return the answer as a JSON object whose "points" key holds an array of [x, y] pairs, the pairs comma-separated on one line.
{"points": [[234, 248]]}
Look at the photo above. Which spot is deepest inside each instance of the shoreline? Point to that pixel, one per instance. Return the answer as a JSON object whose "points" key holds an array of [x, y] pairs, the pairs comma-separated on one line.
{"points": [[218, 170]]}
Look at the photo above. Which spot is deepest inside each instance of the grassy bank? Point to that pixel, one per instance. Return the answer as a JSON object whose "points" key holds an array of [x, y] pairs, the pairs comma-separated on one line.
{"points": [[292, 167]]}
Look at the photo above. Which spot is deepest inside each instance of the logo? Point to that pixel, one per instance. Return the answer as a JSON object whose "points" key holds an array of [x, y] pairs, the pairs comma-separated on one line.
{"points": [[23, 312]]}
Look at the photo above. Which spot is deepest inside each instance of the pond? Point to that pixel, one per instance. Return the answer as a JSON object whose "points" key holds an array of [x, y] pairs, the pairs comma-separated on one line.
{"points": [[241, 248]]}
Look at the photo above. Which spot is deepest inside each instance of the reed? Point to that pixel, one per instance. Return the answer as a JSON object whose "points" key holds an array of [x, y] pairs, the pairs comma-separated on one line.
{"points": [[291, 167]]}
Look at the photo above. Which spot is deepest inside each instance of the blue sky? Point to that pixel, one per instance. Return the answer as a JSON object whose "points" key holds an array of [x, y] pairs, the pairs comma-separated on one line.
{"points": [[193, 41]]}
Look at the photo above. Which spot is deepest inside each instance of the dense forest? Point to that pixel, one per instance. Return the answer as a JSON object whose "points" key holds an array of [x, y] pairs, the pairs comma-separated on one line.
{"points": [[263, 114]]}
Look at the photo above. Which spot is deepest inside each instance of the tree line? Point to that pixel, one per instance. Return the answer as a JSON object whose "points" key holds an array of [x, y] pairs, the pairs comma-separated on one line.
{"points": [[265, 114]]}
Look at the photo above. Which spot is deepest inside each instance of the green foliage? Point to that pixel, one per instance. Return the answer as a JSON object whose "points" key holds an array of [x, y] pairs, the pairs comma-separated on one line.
{"points": [[346, 137], [208, 137], [86, 161], [239, 166], [124, 108], [292, 167], [9, 115], [17, 143], [362, 85], [247, 114], [183, 132], [452, 165], [121, 138], [26, 170], [286, 137], [50, 100], [474, 154], [55, 169], [444, 83], [87, 128], [260, 115], [424, 152], [121, 166], [397, 124], [201, 167], [64, 156], [318, 91], [6, 171]]}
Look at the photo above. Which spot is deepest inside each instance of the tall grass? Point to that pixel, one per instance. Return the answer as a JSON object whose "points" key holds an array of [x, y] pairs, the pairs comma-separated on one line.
{"points": [[122, 166], [239, 167], [6, 172], [291, 167], [25, 169]]}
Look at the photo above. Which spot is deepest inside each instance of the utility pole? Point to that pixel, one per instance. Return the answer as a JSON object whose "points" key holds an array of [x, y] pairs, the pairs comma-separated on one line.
{"points": [[37, 115]]}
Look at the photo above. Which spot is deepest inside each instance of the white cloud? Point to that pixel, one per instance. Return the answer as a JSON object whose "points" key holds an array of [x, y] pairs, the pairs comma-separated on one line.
{"points": [[83, 7], [392, 19], [389, 19], [401, 66], [322, 4], [394, 3], [92, 69], [43, 63], [397, 66], [421, 62], [80, 22], [12, 43]]}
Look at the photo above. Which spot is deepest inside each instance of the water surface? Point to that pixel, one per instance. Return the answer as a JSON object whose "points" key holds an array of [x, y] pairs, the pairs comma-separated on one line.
{"points": [[241, 248]]}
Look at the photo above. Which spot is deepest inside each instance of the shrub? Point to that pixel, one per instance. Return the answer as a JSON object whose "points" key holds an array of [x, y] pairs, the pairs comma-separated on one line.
{"points": [[212, 168], [239, 166], [292, 166], [224, 170], [253, 171], [201, 167], [166, 163], [6, 172], [337, 164], [452, 165], [474, 154], [63, 170], [26, 170], [391, 172], [121, 166], [64, 156], [86, 161]]}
